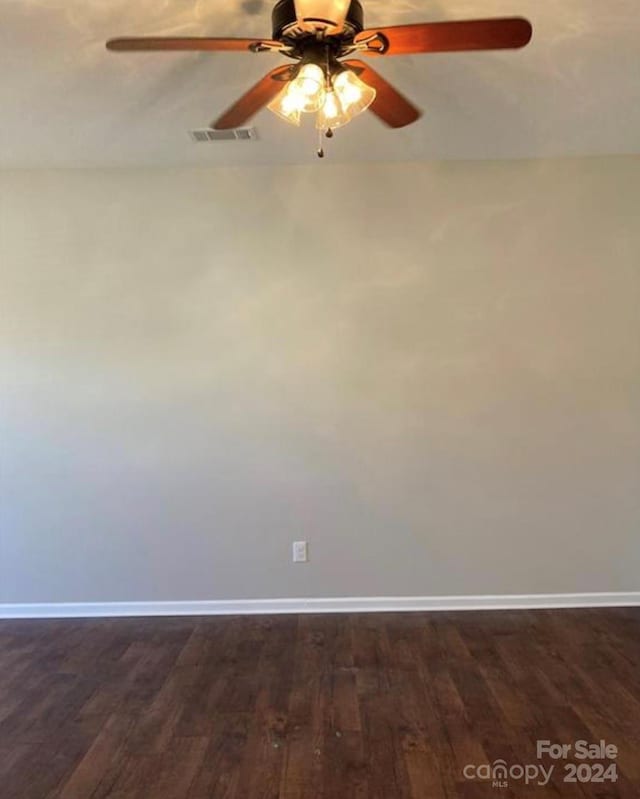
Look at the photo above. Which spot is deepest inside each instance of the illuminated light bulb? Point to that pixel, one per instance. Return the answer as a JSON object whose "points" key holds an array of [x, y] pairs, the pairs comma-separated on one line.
{"points": [[308, 88], [355, 96], [332, 115], [349, 96], [304, 94], [286, 106]]}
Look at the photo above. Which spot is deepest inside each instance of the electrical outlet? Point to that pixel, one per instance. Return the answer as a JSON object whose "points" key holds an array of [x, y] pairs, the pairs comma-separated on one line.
{"points": [[300, 552]]}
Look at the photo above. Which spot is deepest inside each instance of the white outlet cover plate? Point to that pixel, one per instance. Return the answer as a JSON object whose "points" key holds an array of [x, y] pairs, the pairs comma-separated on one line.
{"points": [[300, 552]]}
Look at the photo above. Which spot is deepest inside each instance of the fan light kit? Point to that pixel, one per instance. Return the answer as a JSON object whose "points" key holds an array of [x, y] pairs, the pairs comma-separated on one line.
{"points": [[335, 94], [319, 35]]}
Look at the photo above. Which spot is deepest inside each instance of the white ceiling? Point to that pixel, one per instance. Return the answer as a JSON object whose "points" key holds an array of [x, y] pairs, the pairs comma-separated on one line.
{"points": [[66, 101]]}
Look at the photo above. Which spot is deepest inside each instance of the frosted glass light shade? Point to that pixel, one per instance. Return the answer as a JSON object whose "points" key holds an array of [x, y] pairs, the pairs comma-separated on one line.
{"points": [[308, 88], [332, 115], [328, 15], [286, 107], [355, 95], [304, 94]]}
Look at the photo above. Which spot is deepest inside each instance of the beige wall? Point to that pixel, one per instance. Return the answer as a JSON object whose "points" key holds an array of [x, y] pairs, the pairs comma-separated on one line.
{"points": [[430, 372]]}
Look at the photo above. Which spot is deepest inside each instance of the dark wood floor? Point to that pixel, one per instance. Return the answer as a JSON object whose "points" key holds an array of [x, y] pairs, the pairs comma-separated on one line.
{"points": [[381, 706]]}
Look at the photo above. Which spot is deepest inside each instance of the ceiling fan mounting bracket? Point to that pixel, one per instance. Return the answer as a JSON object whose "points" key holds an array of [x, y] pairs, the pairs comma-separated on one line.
{"points": [[270, 47], [377, 43]]}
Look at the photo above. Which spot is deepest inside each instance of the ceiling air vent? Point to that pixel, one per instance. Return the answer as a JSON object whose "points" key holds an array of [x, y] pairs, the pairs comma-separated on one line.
{"points": [[237, 134]]}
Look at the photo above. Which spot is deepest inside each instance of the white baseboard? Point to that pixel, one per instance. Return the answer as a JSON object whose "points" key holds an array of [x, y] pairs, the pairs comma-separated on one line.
{"points": [[247, 607]]}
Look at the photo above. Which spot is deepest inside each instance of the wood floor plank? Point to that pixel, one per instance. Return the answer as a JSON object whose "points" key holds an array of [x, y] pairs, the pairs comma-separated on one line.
{"points": [[105, 749]]}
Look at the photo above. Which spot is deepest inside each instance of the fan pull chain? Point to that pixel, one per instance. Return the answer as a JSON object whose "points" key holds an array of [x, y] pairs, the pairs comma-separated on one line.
{"points": [[329, 134]]}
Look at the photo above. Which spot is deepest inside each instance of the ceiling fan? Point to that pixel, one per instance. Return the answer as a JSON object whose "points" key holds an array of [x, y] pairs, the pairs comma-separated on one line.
{"points": [[321, 36]]}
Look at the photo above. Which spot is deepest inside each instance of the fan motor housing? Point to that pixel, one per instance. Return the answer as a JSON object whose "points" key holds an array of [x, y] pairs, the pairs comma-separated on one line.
{"points": [[286, 26]]}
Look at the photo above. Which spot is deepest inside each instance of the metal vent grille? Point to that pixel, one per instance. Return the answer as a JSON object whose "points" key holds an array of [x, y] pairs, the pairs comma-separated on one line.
{"points": [[209, 135]]}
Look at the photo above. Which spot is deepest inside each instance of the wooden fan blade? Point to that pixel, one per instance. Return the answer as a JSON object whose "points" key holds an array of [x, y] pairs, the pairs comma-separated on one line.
{"points": [[441, 37], [256, 98], [390, 106], [198, 44]]}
